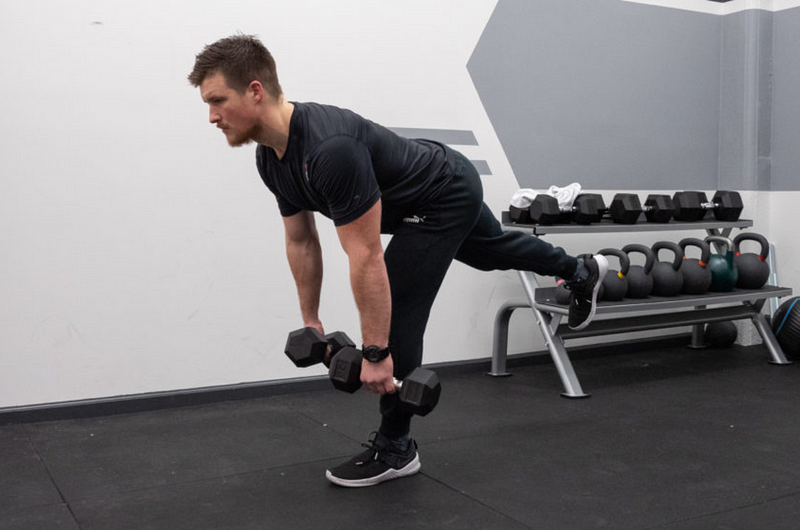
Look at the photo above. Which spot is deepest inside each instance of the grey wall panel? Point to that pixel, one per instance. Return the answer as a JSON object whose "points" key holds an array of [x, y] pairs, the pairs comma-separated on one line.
{"points": [[611, 94], [785, 101], [745, 101]]}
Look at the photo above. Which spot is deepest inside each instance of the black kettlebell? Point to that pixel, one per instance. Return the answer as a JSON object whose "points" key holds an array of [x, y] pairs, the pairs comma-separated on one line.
{"points": [[562, 293], [640, 283], [753, 268], [615, 283], [667, 277], [723, 269], [696, 276]]}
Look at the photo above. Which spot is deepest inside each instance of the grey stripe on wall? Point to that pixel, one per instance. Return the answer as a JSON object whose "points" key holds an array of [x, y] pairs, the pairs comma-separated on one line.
{"points": [[446, 136], [482, 166]]}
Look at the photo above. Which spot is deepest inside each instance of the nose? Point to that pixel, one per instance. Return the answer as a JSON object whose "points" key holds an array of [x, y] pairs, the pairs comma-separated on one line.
{"points": [[213, 116]]}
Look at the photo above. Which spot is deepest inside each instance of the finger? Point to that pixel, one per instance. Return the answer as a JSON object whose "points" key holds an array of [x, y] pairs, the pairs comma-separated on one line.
{"points": [[374, 388]]}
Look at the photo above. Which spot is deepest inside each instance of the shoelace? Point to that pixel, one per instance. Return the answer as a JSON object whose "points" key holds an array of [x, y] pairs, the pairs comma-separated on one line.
{"points": [[372, 446]]}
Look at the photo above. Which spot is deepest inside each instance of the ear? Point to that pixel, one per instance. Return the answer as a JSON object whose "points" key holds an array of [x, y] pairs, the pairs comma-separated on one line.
{"points": [[256, 91]]}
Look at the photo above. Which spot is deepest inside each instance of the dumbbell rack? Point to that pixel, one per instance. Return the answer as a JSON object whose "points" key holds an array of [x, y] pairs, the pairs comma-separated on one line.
{"points": [[615, 317]]}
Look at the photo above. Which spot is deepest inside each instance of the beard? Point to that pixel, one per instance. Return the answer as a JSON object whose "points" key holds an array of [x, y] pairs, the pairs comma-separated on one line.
{"points": [[245, 137]]}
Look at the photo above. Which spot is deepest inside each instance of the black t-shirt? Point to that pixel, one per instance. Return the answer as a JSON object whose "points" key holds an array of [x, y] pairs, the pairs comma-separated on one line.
{"points": [[339, 164]]}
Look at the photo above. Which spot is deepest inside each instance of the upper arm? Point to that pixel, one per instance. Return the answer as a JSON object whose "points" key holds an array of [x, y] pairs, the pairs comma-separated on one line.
{"points": [[363, 235]]}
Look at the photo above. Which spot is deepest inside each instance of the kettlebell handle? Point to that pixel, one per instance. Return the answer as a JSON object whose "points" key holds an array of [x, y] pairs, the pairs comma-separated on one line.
{"points": [[649, 255], [722, 240], [674, 247], [624, 261], [705, 249], [755, 237]]}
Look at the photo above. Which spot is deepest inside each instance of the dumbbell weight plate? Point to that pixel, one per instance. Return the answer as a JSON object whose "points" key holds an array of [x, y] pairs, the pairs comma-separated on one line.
{"points": [[345, 370], [659, 208], [306, 347], [420, 389]]}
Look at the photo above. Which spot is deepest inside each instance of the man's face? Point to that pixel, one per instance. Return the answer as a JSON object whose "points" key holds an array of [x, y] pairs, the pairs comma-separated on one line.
{"points": [[233, 113]]}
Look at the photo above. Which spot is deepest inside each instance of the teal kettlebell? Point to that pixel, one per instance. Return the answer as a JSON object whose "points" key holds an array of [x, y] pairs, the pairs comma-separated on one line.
{"points": [[724, 273]]}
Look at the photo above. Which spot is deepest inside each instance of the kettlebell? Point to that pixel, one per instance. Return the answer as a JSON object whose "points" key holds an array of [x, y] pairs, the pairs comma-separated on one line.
{"points": [[696, 276], [615, 283], [667, 277], [640, 283], [723, 269], [562, 293], [753, 268]]}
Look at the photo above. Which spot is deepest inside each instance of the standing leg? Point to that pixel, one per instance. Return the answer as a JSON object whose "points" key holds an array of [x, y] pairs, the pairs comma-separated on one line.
{"points": [[417, 259]]}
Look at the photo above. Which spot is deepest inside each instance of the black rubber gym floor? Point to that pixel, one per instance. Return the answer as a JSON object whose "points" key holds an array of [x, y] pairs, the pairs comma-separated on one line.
{"points": [[670, 439]]}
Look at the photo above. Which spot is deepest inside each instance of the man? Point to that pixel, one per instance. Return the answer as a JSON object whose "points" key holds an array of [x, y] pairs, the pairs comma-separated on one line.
{"points": [[370, 181]]}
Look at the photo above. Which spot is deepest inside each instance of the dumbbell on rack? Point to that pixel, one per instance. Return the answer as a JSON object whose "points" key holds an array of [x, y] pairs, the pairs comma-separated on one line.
{"points": [[420, 390], [626, 208], [726, 205], [545, 210], [307, 346]]}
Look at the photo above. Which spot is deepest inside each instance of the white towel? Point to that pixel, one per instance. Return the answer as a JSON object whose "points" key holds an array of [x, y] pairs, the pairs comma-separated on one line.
{"points": [[523, 198], [566, 195]]}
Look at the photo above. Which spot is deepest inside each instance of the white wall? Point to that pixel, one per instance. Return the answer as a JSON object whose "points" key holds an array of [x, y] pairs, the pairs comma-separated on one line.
{"points": [[139, 252]]}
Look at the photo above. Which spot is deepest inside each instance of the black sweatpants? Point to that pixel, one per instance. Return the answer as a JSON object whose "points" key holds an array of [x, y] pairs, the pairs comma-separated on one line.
{"points": [[457, 225]]}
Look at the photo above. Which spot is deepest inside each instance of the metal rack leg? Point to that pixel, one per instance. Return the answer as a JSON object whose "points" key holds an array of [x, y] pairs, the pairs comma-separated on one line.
{"points": [[773, 278], [768, 337], [698, 334], [500, 339], [555, 344]]}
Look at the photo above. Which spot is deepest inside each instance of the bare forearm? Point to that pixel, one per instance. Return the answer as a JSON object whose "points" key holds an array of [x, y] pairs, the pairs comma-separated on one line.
{"points": [[305, 261], [370, 285]]}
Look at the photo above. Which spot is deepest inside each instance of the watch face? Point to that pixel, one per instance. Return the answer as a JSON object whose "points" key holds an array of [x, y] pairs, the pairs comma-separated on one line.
{"points": [[374, 354]]}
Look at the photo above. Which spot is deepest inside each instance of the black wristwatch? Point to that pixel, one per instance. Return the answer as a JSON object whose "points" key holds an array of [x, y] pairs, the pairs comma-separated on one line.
{"points": [[374, 354]]}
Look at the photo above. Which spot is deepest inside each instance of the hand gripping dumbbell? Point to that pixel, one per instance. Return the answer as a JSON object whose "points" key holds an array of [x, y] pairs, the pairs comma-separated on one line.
{"points": [[307, 346], [692, 205], [419, 390], [626, 208], [585, 210]]}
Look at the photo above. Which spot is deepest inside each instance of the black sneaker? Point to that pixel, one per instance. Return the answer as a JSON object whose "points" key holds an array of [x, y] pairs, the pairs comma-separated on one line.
{"points": [[583, 298], [379, 463]]}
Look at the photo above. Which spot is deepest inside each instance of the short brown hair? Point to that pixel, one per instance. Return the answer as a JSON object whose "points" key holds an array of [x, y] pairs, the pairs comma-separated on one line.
{"points": [[242, 59]]}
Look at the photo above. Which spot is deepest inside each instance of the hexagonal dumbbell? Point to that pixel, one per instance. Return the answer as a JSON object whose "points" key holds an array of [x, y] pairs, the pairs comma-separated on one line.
{"points": [[585, 209], [307, 346], [420, 390], [692, 205], [625, 208]]}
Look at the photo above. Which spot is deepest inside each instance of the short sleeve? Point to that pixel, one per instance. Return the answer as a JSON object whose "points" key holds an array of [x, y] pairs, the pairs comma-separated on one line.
{"points": [[286, 208], [341, 171]]}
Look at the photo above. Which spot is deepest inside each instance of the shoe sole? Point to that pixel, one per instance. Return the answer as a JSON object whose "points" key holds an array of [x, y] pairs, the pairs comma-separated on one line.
{"points": [[602, 268], [390, 474]]}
